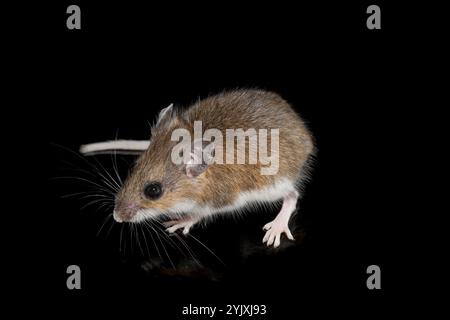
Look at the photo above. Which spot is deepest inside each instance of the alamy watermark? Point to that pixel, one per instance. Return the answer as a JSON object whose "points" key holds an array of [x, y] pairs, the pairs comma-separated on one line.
{"points": [[207, 147]]}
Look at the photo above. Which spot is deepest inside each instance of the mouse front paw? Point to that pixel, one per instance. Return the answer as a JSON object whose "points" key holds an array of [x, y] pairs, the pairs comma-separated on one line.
{"points": [[174, 225], [274, 230]]}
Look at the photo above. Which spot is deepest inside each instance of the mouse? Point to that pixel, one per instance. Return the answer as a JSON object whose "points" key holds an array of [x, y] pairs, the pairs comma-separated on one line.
{"points": [[212, 158]]}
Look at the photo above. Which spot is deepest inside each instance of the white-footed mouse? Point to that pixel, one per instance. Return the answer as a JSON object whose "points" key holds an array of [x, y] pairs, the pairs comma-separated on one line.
{"points": [[193, 190]]}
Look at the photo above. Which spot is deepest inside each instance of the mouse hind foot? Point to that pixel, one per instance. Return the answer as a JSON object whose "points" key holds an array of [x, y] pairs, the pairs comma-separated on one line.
{"points": [[279, 225]]}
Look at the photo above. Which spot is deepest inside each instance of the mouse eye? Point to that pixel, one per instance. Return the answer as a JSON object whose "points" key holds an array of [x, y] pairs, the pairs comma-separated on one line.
{"points": [[153, 190]]}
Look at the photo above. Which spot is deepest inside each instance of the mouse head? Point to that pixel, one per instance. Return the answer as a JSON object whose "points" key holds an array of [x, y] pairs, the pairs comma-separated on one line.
{"points": [[157, 186]]}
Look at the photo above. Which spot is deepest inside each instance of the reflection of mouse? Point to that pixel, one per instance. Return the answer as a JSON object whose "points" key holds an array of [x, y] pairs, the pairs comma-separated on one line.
{"points": [[201, 187]]}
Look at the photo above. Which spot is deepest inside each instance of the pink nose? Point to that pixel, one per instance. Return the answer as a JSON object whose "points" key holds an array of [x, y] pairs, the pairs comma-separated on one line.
{"points": [[125, 213]]}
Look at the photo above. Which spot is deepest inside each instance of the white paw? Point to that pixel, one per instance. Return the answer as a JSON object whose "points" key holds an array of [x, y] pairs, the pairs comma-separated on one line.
{"points": [[274, 230], [175, 225]]}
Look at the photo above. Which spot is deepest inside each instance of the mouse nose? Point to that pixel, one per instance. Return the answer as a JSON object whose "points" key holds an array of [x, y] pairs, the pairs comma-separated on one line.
{"points": [[116, 216], [124, 213]]}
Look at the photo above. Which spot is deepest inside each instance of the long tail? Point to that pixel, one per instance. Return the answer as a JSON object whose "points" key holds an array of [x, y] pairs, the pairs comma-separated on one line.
{"points": [[115, 147]]}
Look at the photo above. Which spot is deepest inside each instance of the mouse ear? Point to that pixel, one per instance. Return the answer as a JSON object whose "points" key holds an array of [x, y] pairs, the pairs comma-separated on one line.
{"points": [[202, 156], [165, 112]]}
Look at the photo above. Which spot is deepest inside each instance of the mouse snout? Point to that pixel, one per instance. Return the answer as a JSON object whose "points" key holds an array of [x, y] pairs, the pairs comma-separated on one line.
{"points": [[125, 212]]}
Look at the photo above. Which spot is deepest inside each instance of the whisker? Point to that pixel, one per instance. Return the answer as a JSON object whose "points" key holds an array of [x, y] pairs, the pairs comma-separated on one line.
{"points": [[103, 196], [90, 192], [111, 181], [107, 199], [110, 228], [83, 159], [167, 238], [92, 203], [105, 204], [87, 181], [162, 244], [153, 240], [115, 166], [75, 168], [131, 237], [210, 251], [104, 222], [120, 241], [136, 233], [189, 250], [145, 239], [72, 194]]}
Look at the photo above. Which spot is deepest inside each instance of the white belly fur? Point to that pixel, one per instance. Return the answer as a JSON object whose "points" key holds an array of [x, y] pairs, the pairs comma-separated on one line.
{"points": [[272, 193], [269, 194]]}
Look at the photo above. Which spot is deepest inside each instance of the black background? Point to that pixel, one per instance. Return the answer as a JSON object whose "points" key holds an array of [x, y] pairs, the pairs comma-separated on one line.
{"points": [[131, 60]]}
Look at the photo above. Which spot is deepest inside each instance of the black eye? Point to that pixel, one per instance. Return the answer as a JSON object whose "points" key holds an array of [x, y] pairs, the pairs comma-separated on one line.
{"points": [[153, 190]]}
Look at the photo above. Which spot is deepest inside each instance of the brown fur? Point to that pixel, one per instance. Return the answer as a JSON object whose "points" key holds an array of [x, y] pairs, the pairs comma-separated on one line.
{"points": [[220, 184]]}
